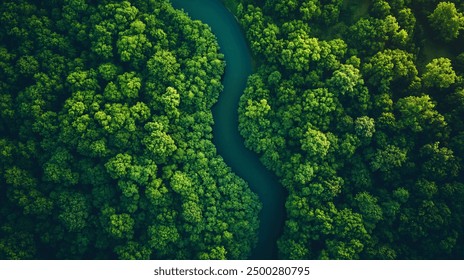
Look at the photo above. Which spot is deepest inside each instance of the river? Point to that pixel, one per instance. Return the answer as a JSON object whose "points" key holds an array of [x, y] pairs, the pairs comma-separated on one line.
{"points": [[226, 137]]}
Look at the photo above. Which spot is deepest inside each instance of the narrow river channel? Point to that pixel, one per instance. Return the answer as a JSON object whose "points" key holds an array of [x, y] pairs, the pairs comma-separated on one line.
{"points": [[228, 141]]}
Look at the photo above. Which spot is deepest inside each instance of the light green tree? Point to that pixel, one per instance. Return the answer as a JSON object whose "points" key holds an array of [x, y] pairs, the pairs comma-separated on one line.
{"points": [[447, 20]]}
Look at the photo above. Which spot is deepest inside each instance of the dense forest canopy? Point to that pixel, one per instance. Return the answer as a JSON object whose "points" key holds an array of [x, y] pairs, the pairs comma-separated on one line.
{"points": [[105, 136], [358, 107], [106, 130]]}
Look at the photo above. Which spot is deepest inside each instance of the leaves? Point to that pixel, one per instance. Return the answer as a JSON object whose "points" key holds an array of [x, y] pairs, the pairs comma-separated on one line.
{"points": [[106, 148], [439, 73], [359, 119], [447, 20]]}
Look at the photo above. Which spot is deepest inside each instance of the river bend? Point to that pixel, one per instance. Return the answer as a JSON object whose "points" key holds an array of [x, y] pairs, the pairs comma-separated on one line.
{"points": [[226, 137]]}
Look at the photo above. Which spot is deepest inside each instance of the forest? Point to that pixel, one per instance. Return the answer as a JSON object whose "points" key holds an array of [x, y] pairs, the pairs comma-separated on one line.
{"points": [[358, 107], [106, 146], [105, 128]]}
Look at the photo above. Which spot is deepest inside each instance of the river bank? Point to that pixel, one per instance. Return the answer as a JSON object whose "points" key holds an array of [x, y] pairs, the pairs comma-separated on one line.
{"points": [[226, 137]]}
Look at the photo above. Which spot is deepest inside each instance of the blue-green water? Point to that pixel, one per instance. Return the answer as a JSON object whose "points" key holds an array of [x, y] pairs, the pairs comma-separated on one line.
{"points": [[228, 141]]}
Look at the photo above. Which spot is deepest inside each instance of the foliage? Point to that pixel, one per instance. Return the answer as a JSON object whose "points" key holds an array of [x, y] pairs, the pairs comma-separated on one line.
{"points": [[105, 142], [105, 130], [447, 21], [364, 130]]}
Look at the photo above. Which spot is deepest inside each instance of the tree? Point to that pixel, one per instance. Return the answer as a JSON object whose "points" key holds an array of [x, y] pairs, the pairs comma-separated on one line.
{"points": [[158, 143], [161, 237], [132, 251], [389, 66], [439, 162], [310, 9], [129, 85], [162, 67], [27, 65], [439, 73], [345, 79], [121, 226], [132, 44], [447, 21], [315, 144], [387, 159], [369, 209], [350, 239], [318, 106], [364, 127], [74, 211], [381, 8], [407, 20], [24, 193], [16, 245], [418, 114], [118, 166], [300, 51], [59, 170], [367, 35]]}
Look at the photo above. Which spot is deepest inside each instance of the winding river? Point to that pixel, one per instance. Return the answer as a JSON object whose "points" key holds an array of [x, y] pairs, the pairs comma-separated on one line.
{"points": [[226, 137]]}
